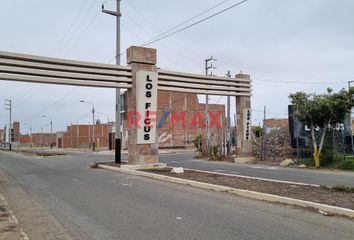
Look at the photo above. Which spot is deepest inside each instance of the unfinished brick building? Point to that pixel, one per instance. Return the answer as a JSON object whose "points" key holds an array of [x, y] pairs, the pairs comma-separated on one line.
{"points": [[177, 120], [81, 136]]}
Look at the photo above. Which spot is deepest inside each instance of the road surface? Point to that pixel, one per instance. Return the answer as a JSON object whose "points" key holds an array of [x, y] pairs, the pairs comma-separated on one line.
{"points": [[61, 198]]}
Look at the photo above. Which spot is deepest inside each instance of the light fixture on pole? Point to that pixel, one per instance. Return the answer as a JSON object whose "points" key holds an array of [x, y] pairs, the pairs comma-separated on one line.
{"points": [[51, 130], [93, 124]]}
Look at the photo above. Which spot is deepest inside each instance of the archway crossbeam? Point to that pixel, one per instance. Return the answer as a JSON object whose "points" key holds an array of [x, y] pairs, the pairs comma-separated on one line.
{"points": [[36, 69]]}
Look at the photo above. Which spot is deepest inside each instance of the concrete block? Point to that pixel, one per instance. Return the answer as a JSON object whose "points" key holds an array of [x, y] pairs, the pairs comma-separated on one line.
{"points": [[286, 162], [245, 160], [143, 166], [177, 170]]}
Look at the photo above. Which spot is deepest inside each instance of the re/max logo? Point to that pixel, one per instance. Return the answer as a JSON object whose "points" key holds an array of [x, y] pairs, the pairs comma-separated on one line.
{"points": [[197, 120]]}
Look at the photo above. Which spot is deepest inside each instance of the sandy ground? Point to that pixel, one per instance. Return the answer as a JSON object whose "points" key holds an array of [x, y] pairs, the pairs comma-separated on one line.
{"points": [[10, 229]]}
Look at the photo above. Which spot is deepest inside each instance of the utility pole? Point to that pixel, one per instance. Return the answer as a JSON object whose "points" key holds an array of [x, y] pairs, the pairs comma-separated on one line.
{"points": [[264, 150], [118, 142], [30, 137], [186, 121], [51, 130], [8, 106], [207, 130], [350, 122], [93, 125], [235, 133], [5, 134], [41, 136], [228, 137], [170, 109]]}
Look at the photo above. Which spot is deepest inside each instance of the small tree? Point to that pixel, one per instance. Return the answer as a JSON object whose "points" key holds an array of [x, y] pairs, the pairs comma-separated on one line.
{"points": [[198, 142], [257, 131], [324, 111]]}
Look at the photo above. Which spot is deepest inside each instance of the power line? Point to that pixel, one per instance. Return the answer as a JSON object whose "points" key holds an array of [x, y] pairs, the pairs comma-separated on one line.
{"points": [[193, 24], [150, 35], [77, 40], [165, 35], [83, 33], [188, 20], [84, 116], [159, 30], [165, 46], [51, 105], [68, 40], [71, 25], [77, 28]]}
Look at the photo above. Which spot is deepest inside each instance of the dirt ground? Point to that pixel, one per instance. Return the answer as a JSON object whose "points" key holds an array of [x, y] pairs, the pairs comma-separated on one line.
{"points": [[303, 192], [9, 227]]}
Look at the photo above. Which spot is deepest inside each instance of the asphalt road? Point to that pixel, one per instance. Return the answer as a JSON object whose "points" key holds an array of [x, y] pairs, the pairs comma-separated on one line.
{"points": [[61, 198]]}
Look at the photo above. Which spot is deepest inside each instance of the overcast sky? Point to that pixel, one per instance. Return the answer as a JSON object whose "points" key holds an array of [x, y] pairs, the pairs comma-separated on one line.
{"points": [[286, 46]]}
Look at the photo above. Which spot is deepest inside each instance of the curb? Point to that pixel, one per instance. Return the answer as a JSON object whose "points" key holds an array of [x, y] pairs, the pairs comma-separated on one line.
{"points": [[239, 192]]}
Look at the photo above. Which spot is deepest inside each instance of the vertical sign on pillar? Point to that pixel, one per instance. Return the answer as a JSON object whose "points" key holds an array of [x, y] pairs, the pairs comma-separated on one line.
{"points": [[247, 124], [146, 100]]}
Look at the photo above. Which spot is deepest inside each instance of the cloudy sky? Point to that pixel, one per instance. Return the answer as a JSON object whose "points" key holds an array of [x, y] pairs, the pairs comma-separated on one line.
{"points": [[286, 46]]}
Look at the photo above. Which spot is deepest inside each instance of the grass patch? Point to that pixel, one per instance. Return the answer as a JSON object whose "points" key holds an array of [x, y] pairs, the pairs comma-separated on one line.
{"points": [[340, 188], [347, 164], [309, 162], [343, 188], [338, 162]]}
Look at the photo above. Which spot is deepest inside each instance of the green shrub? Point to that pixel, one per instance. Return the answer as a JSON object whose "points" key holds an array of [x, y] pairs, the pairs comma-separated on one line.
{"points": [[347, 164], [343, 188], [307, 161], [327, 157], [257, 131], [198, 142], [214, 152]]}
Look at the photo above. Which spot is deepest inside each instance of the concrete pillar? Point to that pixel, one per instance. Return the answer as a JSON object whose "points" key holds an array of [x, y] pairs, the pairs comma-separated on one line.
{"points": [[244, 142], [140, 59]]}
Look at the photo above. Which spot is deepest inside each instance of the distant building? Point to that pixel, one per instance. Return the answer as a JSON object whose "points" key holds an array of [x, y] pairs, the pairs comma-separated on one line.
{"points": [[15, 133], [273, 124], [175, 121], [81, 136], [2, 136], [169, 106]]}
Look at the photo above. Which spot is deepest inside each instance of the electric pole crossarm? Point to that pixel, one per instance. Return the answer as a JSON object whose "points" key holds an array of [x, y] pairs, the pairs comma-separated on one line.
{"points": [[111, 12]]}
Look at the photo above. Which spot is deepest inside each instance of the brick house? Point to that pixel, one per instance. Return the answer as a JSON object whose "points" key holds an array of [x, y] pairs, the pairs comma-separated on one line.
{"points": [[15, 133], [81, 136], [271, 124], [2, 136], [172, 108], [177, 118], [41, 139]]}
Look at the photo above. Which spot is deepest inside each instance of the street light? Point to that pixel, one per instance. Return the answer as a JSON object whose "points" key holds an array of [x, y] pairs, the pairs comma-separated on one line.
{"points": [[51, 130], [93, 124]]}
